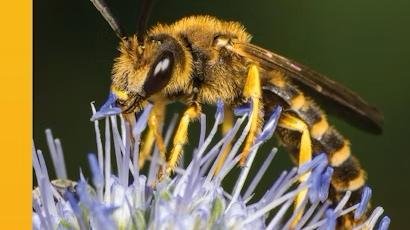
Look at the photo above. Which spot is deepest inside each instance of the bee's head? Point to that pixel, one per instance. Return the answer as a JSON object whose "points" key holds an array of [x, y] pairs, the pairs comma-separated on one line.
{"points": [[146, 68], [146, 65]]}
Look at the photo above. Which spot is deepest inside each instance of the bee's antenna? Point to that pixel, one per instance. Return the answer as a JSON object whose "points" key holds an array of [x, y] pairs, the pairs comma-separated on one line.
{"points": [[143, 16], [108, 16]]}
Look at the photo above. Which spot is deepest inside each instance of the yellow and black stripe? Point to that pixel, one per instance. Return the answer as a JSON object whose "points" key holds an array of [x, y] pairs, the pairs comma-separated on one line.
{"points": [[348, 174]]}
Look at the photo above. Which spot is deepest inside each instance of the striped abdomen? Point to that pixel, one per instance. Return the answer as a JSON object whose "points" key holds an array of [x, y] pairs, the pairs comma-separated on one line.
{"points": [[348, 174]]}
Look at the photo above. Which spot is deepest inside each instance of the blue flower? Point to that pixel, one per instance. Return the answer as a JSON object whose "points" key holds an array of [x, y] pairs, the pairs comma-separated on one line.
{"points": [[194, 197]]}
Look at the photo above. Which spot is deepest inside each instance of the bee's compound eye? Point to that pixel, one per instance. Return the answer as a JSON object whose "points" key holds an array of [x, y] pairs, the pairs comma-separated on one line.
{"points": [[160, 73], [162, 66]]}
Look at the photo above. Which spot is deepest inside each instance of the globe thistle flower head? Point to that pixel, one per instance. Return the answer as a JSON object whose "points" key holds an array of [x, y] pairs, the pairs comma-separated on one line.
{"points": [[193, 198]]}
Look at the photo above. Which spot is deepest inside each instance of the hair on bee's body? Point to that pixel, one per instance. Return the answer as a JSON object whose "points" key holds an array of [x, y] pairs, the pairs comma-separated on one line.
{"points": [[201, 60], [202, 71]]}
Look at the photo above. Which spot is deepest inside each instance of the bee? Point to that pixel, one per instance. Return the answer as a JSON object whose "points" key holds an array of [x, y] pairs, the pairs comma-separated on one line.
{"points": [[202, 60]]}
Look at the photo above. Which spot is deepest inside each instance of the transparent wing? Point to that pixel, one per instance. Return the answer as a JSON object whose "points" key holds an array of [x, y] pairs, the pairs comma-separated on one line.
{"points": [[361, 113]]}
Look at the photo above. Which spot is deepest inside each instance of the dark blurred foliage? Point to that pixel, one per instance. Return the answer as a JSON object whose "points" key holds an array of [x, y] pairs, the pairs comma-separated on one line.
{"points": [[363, 44]]}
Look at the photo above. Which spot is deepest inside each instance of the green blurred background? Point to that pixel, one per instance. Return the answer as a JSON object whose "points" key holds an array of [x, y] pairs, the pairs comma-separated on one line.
{"points": [[363, 44]]}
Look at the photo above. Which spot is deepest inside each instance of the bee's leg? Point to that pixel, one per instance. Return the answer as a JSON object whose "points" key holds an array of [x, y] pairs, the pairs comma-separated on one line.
{"points": [[155, 121], [129, 118], [226, 126], [291, 122], [181, 136], [253, 92]]}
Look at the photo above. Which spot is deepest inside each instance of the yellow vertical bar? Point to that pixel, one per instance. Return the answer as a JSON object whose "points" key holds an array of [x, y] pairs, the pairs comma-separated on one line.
{"points": [[16, 114]]}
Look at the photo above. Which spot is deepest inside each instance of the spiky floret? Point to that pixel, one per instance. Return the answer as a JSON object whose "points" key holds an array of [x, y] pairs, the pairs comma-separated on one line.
{"points": [[194, 197]]}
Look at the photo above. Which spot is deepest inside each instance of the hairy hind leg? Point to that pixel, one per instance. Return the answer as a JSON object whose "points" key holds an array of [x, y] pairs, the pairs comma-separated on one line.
{"points": [[294, 123]]}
